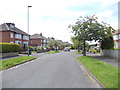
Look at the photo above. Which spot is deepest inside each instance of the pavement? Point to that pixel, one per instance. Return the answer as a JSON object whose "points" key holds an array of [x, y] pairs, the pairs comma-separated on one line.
{"points": [[109, 60], [33, 54], [2, 59], [60, 70]]}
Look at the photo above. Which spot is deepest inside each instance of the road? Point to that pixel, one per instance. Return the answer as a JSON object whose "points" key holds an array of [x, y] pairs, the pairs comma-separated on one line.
{"points": [[60, 70]]}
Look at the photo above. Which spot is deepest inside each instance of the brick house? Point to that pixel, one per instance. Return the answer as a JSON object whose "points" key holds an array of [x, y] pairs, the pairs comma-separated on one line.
{"points": [[116, 37], [38, 40], [11, 34]]}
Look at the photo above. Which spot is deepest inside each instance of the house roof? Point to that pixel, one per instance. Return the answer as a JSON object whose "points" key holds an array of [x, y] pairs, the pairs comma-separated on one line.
{"points": [[37, 36], [116, 32], [50, 38], [7, 27]]}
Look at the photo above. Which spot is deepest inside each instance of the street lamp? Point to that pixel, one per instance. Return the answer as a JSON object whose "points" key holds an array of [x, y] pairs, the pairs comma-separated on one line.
{"points": [[28, 28]]}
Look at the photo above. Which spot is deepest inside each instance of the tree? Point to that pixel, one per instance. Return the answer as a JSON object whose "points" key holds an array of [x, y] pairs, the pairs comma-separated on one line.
{"points": [[53, 44], [57, 44], [76, 43], [107, 43], [88, 29]]}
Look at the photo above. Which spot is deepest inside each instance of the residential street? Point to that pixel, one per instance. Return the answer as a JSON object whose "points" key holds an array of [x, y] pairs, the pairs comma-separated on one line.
{"points": [[60, 70]]}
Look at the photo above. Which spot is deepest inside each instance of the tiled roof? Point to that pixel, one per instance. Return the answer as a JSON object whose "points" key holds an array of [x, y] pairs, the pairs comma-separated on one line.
{"points": [[116, 32], [37, 36], [50, 38], [6, 27]]}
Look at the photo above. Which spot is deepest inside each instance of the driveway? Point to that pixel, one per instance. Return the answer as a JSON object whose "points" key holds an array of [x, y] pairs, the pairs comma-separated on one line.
{"points": [[60, 70]]}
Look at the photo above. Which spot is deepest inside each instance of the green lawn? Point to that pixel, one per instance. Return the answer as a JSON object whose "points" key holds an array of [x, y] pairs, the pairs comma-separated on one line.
{"points": [[14, 61], [78, 52], [107, 74], [33, 51], [52, 52]]}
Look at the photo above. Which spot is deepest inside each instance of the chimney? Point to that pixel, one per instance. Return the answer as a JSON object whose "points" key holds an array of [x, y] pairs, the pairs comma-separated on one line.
{"points": [[40, 34]]}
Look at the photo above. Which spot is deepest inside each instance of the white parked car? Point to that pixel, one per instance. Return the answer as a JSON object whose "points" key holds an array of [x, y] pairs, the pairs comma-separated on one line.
{"points": [[66, 49]]}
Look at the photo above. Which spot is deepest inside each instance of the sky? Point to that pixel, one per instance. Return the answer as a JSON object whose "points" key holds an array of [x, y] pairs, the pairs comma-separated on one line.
{"points": [[52, 17]]}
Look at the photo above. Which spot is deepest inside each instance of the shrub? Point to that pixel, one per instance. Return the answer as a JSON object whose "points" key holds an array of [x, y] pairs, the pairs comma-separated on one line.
{"points": [[40, 48], [46, 47], [91, 50], [9, 47], [116, 49]]}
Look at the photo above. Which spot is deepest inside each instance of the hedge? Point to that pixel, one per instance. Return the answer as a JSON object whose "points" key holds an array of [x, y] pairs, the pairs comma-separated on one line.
{"points": [[116, 49], [9, 47]]}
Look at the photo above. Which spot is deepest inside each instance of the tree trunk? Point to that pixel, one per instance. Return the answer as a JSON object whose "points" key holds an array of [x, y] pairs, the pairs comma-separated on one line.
{"points": [[78, 47], [84, 49]]}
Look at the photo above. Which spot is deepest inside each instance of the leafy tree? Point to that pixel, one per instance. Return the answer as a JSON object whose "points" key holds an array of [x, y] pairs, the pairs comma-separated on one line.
{"points": [[76, 43], [52, 42], [57, 43], [107, 43], [88, 29]]}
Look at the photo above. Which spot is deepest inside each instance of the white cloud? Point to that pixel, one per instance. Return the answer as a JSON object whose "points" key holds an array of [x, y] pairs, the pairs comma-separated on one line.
{"points": [[51, 17], [105, 15]]}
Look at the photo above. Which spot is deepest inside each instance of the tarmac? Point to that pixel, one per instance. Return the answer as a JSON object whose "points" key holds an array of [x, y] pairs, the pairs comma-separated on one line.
{"points": [[109, 60]]}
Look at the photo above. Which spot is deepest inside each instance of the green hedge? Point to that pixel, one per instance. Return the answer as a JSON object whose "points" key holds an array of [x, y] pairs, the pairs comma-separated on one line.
{"points": [[9, 47], [113, 49], [116, 49]]}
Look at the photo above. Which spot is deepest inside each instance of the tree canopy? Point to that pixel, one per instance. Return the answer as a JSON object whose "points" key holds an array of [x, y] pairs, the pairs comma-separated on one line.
{"points": [[88, 29]]}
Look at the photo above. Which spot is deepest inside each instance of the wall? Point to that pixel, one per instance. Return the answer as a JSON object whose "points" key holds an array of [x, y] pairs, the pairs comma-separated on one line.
{"points": [[111, 53], [5, 37], [35, 42], [5, 55]]}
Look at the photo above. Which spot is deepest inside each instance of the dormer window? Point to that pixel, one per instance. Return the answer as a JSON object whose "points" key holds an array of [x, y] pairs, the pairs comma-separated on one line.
{"points": [[12, 25]]}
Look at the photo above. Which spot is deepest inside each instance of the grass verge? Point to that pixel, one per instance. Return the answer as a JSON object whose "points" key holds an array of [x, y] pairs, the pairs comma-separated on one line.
{"points": [[33, 51], [78, 52], [106, 73], [52, 52], [14, 61]]}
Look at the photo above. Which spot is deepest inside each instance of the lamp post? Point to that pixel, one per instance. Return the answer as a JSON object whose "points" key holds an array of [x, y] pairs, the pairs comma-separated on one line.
{"points": [[28, 28]]}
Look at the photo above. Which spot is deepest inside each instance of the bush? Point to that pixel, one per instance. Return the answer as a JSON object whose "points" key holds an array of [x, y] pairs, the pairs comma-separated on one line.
{"points": [[46, 47], [40, 48], [116, 49], [33, 48], [9, 47], [91, 50]]}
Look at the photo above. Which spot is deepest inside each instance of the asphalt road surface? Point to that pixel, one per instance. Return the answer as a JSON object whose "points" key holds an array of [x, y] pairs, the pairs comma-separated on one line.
{"points": [[60, 70]]}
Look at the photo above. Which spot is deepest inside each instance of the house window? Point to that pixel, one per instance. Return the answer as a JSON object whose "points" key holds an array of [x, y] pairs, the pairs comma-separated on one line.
{"points": [[47, 41], [18, 42], [26, 37], [12, 25], [25, 42], [11, 35], [119, 36], [19, 36], [44, 41], [41, 41], [115, 37], [11, 42]]}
